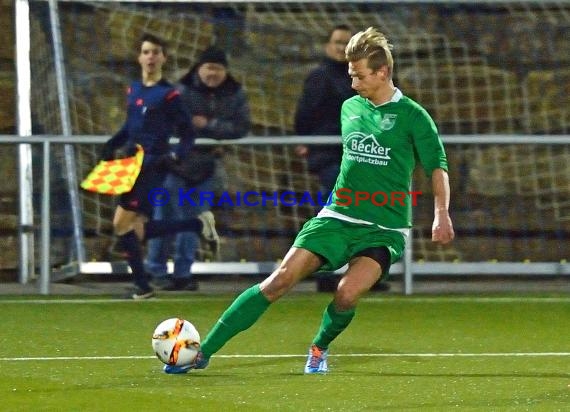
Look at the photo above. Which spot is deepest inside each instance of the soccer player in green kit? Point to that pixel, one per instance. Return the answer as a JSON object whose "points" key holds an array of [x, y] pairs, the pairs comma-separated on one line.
{"points": [[384, 134]]}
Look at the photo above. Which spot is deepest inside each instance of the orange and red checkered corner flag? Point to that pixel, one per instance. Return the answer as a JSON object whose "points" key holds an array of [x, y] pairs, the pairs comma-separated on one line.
{"points": [[114, 177]]}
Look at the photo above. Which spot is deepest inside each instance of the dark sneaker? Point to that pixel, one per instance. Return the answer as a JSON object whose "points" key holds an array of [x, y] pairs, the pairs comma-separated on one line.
{"points": [[142, 294]]}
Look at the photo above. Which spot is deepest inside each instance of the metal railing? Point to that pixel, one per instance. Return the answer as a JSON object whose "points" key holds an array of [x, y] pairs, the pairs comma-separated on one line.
{"points": [[407, 267]]}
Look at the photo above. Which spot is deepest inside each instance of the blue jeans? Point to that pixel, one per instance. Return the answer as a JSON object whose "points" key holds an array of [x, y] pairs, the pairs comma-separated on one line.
{"points": [[186, 243]]}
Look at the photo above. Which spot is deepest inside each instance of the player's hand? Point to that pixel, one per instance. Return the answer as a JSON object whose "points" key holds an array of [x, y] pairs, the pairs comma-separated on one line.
{"points": [[442, 228]]}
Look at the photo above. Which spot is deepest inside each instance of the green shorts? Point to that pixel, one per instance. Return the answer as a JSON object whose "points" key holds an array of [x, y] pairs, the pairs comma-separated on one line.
{"points": [[337, 241]]}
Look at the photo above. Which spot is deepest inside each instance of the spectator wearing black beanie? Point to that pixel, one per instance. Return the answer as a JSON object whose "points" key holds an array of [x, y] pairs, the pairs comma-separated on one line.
{"points": [[219, 109]]}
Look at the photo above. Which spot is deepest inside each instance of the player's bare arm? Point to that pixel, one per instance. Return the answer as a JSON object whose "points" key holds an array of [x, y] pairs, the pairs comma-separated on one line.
{"points": [[442, 228]]}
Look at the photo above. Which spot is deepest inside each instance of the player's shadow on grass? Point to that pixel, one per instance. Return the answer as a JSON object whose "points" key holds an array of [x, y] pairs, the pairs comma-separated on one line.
{"points": [[290, 366]]}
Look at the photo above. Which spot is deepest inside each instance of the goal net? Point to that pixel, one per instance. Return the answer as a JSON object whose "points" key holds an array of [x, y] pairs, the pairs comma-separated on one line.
{"points": [[495, 68]]}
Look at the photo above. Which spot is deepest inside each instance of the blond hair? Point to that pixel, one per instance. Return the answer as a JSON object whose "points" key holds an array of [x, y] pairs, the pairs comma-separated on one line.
{"points": [[373, 45]]}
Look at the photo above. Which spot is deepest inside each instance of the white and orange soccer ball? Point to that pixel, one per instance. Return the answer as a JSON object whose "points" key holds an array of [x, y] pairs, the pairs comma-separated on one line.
{"points": [[176, 342]]}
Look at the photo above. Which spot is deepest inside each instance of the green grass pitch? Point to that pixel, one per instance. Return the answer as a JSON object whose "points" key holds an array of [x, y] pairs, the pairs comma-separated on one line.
{"points": [[468, 353]]}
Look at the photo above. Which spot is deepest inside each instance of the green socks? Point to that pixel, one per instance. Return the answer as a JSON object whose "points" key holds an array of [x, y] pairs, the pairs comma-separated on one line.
{"points": [[332, 325], [250, 305], [239, 316]]}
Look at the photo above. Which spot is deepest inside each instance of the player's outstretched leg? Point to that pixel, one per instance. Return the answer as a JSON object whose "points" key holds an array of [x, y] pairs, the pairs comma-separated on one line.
{"points": [[204, 223]]}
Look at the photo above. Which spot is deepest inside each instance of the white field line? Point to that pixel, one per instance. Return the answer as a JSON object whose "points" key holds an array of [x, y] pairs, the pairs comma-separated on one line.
{"points": [[347, 355], [382, 300]]}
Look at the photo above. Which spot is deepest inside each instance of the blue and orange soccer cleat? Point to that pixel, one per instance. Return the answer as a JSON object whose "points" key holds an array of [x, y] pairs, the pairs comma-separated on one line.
{"points": [[317, 360], [201, 362]]}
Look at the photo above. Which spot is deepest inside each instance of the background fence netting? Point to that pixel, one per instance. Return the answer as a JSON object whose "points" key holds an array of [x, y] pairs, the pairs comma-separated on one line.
{"points": [[493, 68]]}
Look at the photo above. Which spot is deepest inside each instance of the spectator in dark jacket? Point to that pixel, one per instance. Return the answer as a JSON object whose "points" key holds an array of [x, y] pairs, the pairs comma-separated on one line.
{"points": [[219, 109], [318, 110]]}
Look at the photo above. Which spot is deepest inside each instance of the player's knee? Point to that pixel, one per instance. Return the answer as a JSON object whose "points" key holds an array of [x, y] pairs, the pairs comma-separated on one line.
{"points": [[125, 222], [277, 284], [120, 227], [345, 298]]}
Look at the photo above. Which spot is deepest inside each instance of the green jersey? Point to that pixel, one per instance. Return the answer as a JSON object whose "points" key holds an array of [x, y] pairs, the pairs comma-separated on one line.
{"points": [[381, 147]]}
